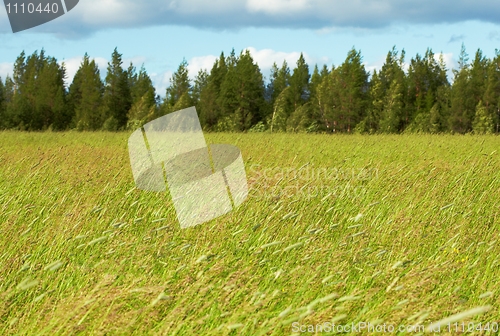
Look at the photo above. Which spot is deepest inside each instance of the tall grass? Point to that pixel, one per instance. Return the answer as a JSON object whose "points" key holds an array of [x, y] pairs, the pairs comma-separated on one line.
{"points": [[84, 252]]}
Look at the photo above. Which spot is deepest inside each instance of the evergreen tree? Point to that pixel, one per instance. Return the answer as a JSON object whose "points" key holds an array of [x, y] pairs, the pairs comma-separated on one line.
{"points": [[117, 96], [280, 115], [242, 92], [352, 92], [370, 123], [279, 81], [141, 84], [492, 92], [86, 94], [299, 83], [200, 83], [2, 104], [392, 114], [313, 112], [483, 121], [8, 94], [37, 81], [179, 85], [460, 98], [328, 102], [424, 77], [140, 113], [209, 111]]}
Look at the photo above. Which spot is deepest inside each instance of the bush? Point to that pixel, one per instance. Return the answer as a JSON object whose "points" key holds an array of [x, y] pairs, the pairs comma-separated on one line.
{"points": [[111, 124]]}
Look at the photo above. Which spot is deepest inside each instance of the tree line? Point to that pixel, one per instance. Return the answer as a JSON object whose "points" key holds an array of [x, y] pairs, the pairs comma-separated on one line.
{"points": [[233, 96]]}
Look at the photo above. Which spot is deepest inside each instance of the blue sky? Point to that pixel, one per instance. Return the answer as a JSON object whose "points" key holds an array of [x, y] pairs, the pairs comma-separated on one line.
{"points": [[161, 33]]}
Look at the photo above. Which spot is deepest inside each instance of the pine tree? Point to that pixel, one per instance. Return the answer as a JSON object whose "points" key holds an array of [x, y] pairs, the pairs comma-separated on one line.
{"points": [[299, 83], [313, 111], [227, 100], [370, 123], [86, 93], [141, 84], [8, 95], [279, 81], [179, 85], [37, 81], [392, 114], [117, 96], [436, 120], [200, 83], [241, 96], [2, 104], [352, 91], [209, 110], [328, 102], [280, 115], [140, 113], [460, 107]]}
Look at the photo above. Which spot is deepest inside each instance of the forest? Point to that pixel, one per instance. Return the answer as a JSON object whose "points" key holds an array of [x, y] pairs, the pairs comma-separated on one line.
{"points": [[235, 97]]}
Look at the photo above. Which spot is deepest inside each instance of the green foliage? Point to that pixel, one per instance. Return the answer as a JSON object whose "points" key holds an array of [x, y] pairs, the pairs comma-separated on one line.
{"points": [[280, 115], [180, 84], [483, 121], [140, 113], [258, 128], [232, 95], [86, 96], [117, 98]]}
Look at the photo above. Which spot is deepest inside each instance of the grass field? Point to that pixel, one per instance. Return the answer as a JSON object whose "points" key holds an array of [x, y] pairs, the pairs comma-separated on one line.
{"points": [[401, 230]]}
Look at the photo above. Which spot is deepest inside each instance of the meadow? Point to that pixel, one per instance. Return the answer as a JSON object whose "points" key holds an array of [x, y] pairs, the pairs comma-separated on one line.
{"points": [[385, 229]]}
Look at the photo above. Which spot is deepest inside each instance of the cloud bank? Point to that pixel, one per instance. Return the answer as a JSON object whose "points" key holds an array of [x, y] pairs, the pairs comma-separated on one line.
{"points": [[321, 15]]}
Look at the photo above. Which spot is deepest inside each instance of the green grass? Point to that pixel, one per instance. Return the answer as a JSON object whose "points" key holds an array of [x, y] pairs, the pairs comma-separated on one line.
{"points": [[411, 238]]}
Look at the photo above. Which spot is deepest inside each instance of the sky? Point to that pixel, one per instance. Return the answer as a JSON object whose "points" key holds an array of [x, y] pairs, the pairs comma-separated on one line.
{"points": [[161, 33]]}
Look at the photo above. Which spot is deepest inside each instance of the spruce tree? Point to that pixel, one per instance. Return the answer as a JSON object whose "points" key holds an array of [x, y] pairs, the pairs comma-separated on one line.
{"points": [[328, 102], [299, 83], [2, 104], [209, 110], [392, 114], [179, 85], [460, 109], [200, 83], [370, 123], [8, 95], [117, 96], [86, 93], [352, 90]]}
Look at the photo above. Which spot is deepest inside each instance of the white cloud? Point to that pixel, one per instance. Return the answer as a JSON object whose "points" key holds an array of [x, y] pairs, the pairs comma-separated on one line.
{"points": [[161, 81], [108, 12], [6, 69], [73, 64], [266, 57], [448, 59], [322, 15], [376, 65], [196, 64], [277, 6], [137, 61], [450, 64]]}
